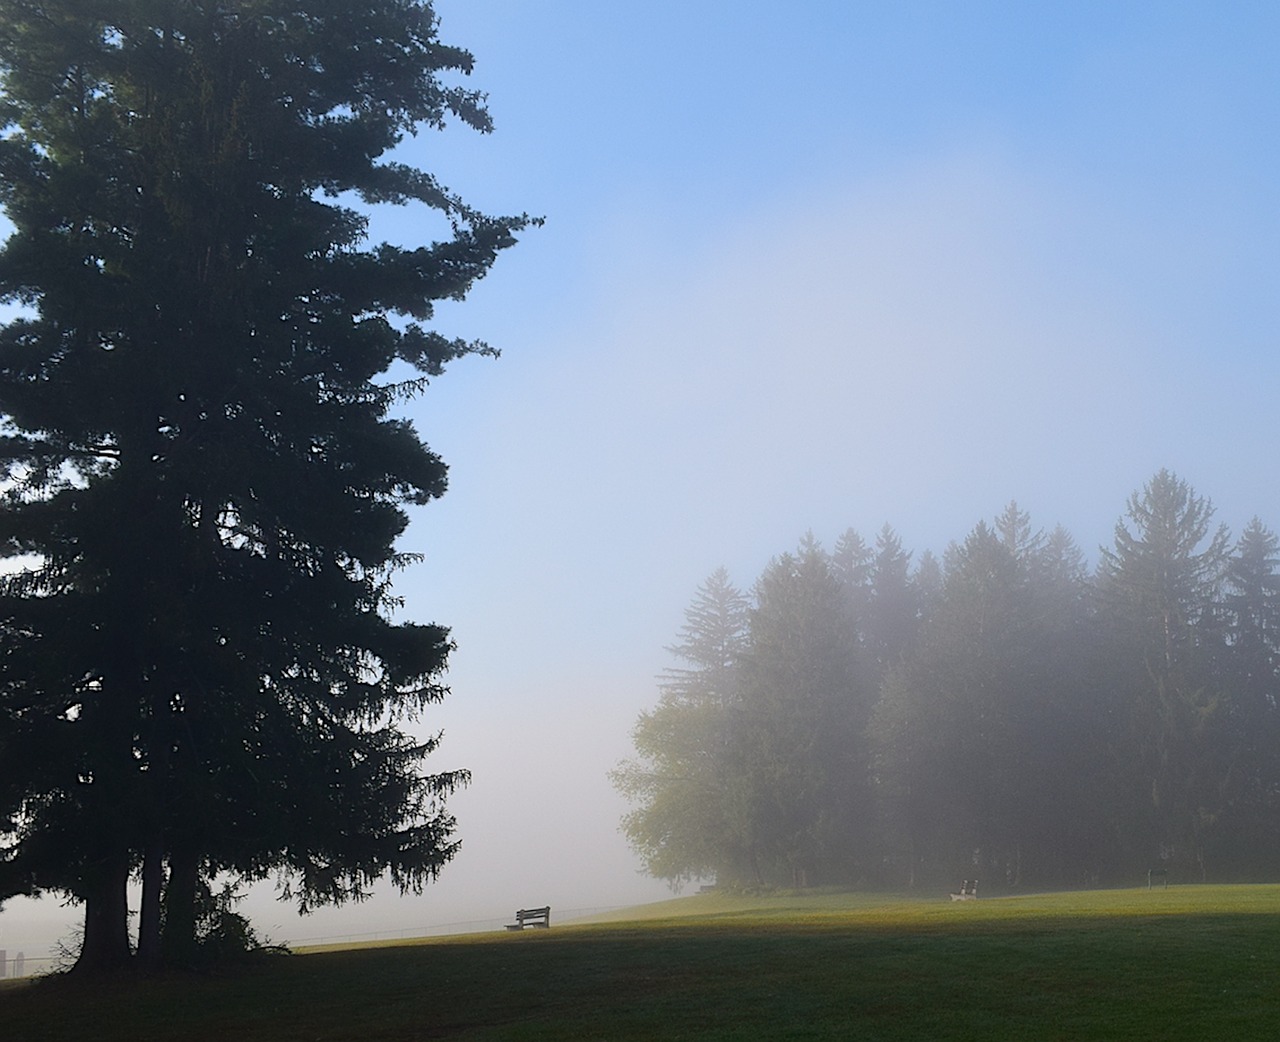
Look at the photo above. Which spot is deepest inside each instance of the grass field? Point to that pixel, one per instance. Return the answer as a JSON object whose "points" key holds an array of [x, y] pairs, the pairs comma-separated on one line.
{"points": [[1195, 963]]}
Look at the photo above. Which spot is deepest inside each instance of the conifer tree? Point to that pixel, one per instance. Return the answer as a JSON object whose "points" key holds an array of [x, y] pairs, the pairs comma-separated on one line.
{"points": [[800, 739], [1161, 587], [1250, 721], [205, 475], [686, 823]]}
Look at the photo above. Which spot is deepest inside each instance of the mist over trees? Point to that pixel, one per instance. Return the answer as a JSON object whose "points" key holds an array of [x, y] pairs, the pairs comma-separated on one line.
{"points": [[1006, 713], [204, 476]]}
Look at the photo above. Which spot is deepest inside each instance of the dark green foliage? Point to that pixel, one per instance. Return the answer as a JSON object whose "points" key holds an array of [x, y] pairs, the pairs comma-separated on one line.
{"points": [[1008, 715], [204, 479], [223, 935]]}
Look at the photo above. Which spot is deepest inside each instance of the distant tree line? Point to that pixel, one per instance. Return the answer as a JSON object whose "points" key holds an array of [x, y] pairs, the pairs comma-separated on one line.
{"points": [[1006, 713]]}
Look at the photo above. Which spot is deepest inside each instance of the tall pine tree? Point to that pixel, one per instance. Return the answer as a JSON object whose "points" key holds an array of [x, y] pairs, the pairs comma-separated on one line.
{"points": [[1250, 722], [1161, 591], [800, 738], [204, 474], [687, 822]]}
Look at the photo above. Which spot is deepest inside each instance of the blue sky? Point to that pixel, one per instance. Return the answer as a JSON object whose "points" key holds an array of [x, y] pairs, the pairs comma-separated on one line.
{"points": [[806, 267]]}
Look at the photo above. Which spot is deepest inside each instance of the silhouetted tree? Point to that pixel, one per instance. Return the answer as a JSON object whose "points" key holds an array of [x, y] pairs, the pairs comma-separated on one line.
{"points": [[204, 477]]}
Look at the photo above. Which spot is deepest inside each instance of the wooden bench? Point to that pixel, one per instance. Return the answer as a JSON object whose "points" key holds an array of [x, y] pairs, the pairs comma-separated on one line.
{"points": [[537, 917], [968, 891]]}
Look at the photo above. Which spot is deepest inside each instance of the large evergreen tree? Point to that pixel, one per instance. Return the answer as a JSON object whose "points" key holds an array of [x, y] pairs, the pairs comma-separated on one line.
{"points": [[893, 618], [983, 734], [799, 741], [1161, 591], [947, 724], [204, 474], [1246, 833]]}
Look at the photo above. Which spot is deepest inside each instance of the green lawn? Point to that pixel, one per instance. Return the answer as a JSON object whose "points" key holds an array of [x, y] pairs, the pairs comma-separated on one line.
{"points": [[1195, 963]]}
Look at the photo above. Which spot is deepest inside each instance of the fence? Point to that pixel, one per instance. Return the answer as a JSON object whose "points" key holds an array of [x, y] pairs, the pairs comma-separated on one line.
{"points": [[441, 929], [22, 966]]}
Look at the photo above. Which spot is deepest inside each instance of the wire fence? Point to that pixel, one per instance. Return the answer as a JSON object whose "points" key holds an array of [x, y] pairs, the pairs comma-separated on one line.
{"points": [[567, 915], [22, 965]]}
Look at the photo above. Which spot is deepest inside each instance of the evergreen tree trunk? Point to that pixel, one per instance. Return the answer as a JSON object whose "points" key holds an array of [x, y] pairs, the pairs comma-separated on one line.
{"points": [[178, 945], [159, 784], [106, 918], [149, 914]]}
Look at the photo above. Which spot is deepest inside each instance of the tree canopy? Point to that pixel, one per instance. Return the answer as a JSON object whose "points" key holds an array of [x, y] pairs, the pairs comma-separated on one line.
{"points": [[205, 474]]}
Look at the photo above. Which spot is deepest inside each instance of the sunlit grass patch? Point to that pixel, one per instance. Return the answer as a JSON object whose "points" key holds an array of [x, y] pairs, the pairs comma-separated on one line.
{"points": [[899, 911]]}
